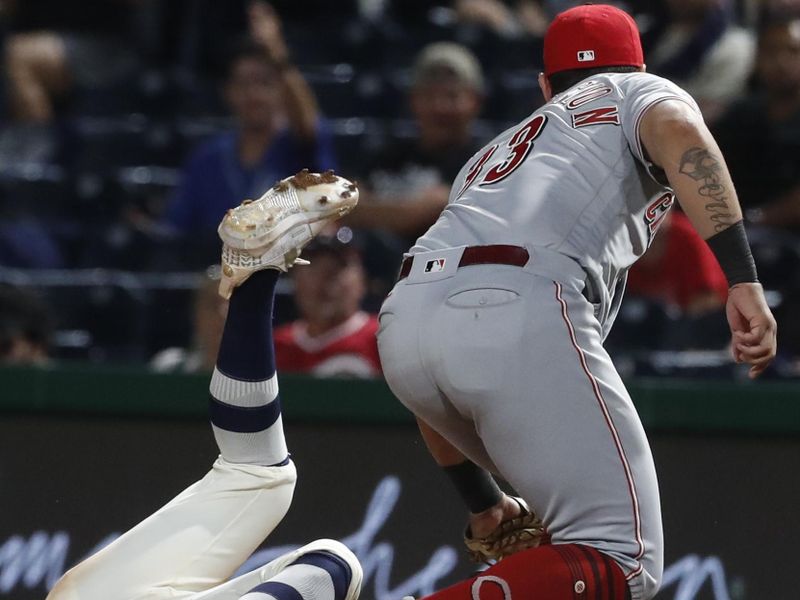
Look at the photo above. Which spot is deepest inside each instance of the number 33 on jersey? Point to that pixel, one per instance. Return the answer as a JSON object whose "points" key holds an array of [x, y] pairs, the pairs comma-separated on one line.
{"points": [[572, 177]]}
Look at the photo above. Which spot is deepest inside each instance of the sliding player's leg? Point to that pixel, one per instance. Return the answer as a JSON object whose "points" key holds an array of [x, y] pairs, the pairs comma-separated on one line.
{"points": [[202, 536]]}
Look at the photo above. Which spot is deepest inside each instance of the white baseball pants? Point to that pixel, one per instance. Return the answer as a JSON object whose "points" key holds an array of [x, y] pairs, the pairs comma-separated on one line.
{"points": [[194, 543]]}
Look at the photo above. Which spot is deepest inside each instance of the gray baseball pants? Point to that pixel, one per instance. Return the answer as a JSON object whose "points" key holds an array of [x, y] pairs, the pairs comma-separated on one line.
{"points": [[507, 363]]}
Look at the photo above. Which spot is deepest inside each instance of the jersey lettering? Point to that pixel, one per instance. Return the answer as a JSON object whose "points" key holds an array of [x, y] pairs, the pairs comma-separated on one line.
{"points": [[520, 145], [596, 116], [656, 212], [593, 92], [475, 169]]}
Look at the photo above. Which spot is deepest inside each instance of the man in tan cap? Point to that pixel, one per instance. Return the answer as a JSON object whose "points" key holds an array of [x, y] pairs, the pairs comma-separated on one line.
{"points": [[408, 181]]}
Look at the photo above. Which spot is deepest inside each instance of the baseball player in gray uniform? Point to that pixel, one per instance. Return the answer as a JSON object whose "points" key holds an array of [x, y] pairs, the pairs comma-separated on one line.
{"points": [[189, 549], [493, 335]]}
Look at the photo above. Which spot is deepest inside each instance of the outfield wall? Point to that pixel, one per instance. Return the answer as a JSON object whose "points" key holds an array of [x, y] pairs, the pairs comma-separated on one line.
{"points": [[86, 453]]}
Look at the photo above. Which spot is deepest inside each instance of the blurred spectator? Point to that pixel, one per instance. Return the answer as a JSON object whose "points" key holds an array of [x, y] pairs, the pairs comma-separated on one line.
{"points": [[703, 51], [54, 48], [210, 310], [506, 19], [333, 335], [760, 135], [277, 132], [407, 183], [25, 327], [195, 30], [679, 270], [57, 45]]}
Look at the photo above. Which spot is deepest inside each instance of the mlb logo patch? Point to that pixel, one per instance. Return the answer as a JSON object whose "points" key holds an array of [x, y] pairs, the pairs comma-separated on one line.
{"points": [[434, 266], [586, 56]]}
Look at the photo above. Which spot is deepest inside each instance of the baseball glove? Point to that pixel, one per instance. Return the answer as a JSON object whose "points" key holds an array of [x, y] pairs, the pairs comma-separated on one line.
{"points": [[520, 533]]}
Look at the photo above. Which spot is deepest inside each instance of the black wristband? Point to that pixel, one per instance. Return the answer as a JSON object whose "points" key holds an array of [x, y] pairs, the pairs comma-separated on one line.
{"points": [[475, 485], [732, 250]]}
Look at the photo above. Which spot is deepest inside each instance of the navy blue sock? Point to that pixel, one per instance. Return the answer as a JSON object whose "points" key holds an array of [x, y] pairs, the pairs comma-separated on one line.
{"points": [[244, 405], [246, 352]]}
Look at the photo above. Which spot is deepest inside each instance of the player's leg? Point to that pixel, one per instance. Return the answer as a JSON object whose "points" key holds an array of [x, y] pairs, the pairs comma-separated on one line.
{"points": [[404, 371], [557, 421], [503, 356], [202, 536], [321, 570]]}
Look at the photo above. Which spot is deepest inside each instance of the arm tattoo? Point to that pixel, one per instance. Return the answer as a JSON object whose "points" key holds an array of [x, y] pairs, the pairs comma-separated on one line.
{"points": [[704, 167]]}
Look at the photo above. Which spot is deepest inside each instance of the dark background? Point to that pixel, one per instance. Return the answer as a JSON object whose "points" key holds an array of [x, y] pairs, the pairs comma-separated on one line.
{"points": [[731, 497]]}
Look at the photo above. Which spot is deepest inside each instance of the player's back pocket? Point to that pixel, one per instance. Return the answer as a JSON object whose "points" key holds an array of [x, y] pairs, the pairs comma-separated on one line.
{"points": [[482, 297]]}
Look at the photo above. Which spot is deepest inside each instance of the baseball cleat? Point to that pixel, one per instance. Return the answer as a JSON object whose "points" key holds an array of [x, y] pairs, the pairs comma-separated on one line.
{"points": [[270, 233]]}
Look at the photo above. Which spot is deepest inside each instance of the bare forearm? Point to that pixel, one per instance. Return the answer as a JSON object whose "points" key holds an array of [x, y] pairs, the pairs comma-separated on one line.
{"points": [[678, 141], [443, 452], [704, 189], [400, 217], [300, 102], [396, 218], [476, 486]]}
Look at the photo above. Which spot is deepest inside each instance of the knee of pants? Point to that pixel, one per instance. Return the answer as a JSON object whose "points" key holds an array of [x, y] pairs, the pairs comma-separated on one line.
{"points": [[651, 579], [279, 481], [647, 583]]}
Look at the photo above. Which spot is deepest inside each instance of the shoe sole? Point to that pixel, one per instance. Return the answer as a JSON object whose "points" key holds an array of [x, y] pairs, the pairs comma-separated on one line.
{"points": [[303, 199]]}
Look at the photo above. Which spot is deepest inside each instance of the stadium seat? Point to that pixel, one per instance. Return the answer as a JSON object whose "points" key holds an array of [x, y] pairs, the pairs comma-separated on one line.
{"points": [[777, 254], [108, 315], [334, 88]]}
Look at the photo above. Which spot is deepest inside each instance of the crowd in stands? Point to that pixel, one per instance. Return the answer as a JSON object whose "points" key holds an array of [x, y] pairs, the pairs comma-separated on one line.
{"points": [[127, 128]]}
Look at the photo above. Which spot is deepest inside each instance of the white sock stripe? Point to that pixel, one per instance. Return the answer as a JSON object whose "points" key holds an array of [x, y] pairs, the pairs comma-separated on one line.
{"points": [[310, 581], [243, 393], [267, 447]]}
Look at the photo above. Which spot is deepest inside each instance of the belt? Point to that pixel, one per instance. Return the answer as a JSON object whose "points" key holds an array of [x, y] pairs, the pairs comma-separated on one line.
{"points": [[495, 254]]}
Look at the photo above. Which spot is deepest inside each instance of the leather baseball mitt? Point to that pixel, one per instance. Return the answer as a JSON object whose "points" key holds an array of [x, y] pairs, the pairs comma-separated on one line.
{"points": [[520, 533]]}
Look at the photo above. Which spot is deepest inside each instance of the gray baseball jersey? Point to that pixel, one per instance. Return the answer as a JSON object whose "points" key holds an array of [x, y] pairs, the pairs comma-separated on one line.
{"points": [[573, 177], [507, 362]]}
